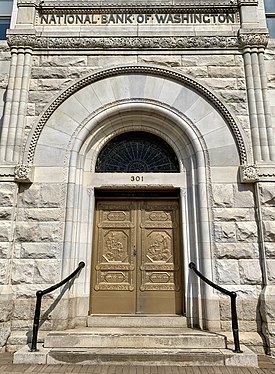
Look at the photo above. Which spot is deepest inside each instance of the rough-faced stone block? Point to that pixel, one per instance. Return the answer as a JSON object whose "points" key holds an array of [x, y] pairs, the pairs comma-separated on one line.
{"points": [[46, 271], [23, 309], [36, 232], [225, 232], [267, 192], [227, 271], [250, 271], [38, 214], [270, 250], [40, 250], [7, 194], [223, 195], [3, 271], [58, 60], [236, 250], [225, 72], [5, 330], [271, 270], [269, 231], [244, 197], [233, 214], [246, 231], [4, 250], [22, 271], [6, 309]]}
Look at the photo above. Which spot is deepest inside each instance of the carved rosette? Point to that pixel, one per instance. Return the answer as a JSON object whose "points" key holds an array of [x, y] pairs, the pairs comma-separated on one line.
{"points": [[23, 173], [249, 174], [259, 40]]}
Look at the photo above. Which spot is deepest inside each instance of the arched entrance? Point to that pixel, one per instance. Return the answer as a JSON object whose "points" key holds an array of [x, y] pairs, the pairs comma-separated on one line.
{"points": [[65, 144], [136, 265]]}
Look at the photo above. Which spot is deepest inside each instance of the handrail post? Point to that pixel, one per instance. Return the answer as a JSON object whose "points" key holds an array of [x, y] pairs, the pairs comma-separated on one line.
{"points": [[36, 319], [235, 327], [233, 296], [39, 295]]}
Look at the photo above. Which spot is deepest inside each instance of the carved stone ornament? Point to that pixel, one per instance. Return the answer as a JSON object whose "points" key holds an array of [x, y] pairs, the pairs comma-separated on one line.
{"points": [[23, 173], [253, 40], [249, 174], [184, 42]]}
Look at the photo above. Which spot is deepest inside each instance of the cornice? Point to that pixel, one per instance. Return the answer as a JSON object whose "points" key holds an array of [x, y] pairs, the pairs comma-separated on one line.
{"points": [[133, 6], [184, 42]]}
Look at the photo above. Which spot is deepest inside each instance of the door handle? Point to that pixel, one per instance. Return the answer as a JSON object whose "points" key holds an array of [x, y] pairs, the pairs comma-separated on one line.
{"points": [[134, 251]]}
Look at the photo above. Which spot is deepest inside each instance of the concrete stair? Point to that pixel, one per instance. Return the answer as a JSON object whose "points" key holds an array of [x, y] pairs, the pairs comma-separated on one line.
{"points": [[137, 340]]}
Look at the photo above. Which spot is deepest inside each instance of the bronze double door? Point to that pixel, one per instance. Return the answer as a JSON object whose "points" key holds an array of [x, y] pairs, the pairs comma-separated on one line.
{"points": [[136, 265]]}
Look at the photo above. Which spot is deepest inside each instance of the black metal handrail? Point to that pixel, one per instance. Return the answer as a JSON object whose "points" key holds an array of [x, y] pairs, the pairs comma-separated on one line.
{"points": [[39, 295], [233, 296]]}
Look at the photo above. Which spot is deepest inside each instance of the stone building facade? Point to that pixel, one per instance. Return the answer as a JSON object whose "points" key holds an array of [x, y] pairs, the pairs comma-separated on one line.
{"points": [[199, 75]]}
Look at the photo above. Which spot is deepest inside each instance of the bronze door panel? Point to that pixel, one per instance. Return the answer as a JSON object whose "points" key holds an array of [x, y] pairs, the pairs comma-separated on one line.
{"points": [[136, 261]]}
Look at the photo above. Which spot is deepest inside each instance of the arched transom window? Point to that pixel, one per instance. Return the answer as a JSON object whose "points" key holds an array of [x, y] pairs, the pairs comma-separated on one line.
{"points": [[137, 152]]}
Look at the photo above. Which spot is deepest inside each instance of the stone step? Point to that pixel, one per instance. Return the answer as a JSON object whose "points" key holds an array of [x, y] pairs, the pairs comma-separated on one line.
{"points": [[122, 356], [132, 337], [136, 321]]}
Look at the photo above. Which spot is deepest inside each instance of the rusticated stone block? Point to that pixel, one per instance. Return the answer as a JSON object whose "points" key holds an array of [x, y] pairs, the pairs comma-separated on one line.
{"points": [[6, 213], [3, 271], [246, 231], [223, 195], [270, 250], [46, 271], [236, 250], [233, 96], [225, 232], [38, 214], [23, 309], [269, 231], [268, 213], [225, 72], [6, 308], [36, 232], [58, 60], [39, 250], [267, 192], [271, 270], [7, 194], [5, 231], [22, 271], [233, 214], [5, 330], [228, 271], [250, 272], [4, 250], [244, 197], [38, 195]]}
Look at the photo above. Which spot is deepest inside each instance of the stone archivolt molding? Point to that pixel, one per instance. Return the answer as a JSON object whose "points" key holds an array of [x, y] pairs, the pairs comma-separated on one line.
{"points": [[184, 42], [147, 70]]}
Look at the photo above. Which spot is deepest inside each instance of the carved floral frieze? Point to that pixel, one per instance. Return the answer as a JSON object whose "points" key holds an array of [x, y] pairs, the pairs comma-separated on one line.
{"points": [[183, 42]]}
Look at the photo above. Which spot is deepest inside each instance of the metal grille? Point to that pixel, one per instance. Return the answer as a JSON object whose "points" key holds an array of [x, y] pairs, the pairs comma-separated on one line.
{"points": [[137, 152]]}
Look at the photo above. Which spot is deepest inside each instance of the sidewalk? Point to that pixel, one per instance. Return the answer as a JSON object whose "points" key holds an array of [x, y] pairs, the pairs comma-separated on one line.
{"points": [[266, 363]]}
